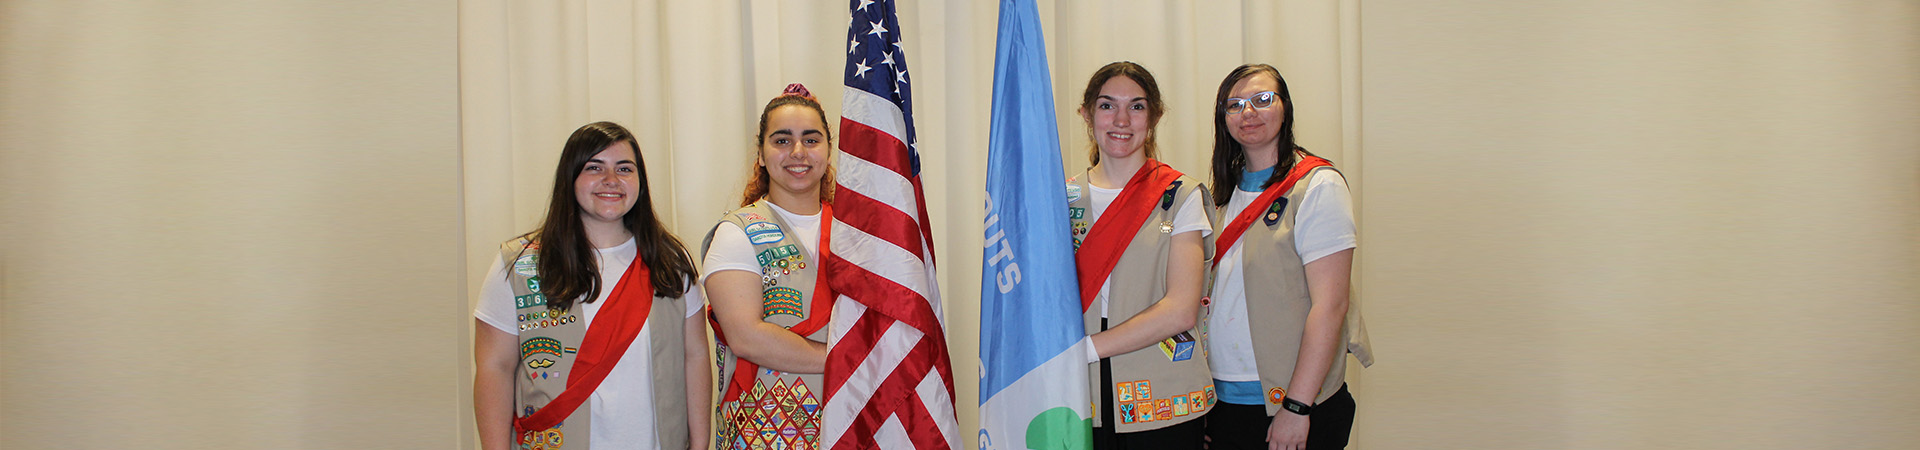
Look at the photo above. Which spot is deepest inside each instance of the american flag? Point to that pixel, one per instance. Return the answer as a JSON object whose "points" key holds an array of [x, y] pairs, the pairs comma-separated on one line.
{"points": [[889, 379]]}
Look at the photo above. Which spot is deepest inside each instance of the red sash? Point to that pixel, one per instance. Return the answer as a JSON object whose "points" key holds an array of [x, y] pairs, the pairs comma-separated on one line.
{"points": [[1108, 239], [1259, 206], [614, 328], [820, 312]]}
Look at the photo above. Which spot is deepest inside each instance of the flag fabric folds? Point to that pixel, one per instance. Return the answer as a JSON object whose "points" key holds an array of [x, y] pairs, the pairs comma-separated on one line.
{"points": [[889, 378], [1033, 388]]}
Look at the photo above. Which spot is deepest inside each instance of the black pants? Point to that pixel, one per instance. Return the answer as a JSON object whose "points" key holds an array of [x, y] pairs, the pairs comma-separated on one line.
{"points": [[1187, 435], [1234, 427]]}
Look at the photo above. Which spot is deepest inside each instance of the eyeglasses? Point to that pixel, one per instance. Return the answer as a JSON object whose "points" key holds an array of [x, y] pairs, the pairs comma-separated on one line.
{"points": [[1261, 100]]}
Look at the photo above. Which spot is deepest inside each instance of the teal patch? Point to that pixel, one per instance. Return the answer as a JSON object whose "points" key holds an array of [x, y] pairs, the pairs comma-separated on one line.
{"points": [[1076, 213], [783, 252], [529, 301], [533, 284], [527, 266]]}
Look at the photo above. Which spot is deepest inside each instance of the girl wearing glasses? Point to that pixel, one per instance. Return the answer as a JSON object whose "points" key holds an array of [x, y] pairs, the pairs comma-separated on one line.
{"points": [[1285, 245], [762, 271], [1140, 234]]}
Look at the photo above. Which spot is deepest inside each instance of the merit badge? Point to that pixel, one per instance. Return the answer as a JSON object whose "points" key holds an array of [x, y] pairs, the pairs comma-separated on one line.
{"points": [[1073, 193], [780, 300], [1276, 394], [528, 265], [1273, 212], [1123, 391], [760, 233], [1166, 199], [1179, 347]]}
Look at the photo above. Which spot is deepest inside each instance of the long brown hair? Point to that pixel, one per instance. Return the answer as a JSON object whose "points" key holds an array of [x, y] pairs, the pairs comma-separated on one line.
{"points": [[760, 183], [1229, 158], [567, 265], [1156, 105]]}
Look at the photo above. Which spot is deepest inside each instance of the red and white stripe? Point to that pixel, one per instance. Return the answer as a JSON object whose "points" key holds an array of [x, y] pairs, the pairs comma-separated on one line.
{"points": [[889, 379]]}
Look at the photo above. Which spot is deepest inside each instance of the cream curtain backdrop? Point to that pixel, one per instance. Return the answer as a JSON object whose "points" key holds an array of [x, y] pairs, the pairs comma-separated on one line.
{"points": [[689, 78]]}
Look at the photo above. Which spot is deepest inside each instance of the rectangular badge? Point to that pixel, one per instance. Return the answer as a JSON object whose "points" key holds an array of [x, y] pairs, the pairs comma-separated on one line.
{"points": [[1123, 391]]}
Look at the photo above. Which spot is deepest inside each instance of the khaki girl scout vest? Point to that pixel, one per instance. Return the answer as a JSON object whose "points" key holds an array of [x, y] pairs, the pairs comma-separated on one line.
{"points": [[772, 409], [1165, 384], [549, 340], [1277, 300]]}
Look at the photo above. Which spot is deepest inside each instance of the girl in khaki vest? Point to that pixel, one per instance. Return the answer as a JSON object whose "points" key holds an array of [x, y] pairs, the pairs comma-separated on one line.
{"points": [[762, 269], [1140, 232], [1282, 325], [586, 332]]}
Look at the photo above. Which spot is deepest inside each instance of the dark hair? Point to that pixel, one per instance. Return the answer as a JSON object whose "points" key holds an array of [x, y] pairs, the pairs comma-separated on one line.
{"points": [[759, 183], [1229, 159], [1156, 105], [567, 266]]}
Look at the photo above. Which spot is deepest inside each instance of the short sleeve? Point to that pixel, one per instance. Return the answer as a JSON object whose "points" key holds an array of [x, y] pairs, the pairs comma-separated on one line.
{"points": [[1192, 215], [729, 250], [695, 298], [496, 300], [1324, 223]]}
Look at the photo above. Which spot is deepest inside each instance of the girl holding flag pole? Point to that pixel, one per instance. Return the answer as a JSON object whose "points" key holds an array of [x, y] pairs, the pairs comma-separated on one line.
{"points": [[587, 332], [771, 303], [1140, 230], [1283, 325]]}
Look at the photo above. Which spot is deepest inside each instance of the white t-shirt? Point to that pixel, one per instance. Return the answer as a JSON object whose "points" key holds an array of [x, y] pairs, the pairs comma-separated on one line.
{"points": [[1323, 225], [1190, 217], [730, 249], [622, 406]]}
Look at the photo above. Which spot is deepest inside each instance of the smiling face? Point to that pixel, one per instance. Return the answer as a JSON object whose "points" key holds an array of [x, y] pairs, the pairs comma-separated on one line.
{"points": [[1120, 118], [1256, 128], [794, 151], [608, 184]]}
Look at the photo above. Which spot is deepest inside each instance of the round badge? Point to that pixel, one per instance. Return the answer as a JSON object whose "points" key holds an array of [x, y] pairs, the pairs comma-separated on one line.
{"points": [[1275, 395]]}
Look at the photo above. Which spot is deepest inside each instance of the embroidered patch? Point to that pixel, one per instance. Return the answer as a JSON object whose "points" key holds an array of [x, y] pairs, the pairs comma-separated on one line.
{"points": [[1143, 411], [762, 233], [1163, 409], [1126, 413], [775, 418], [1180, 406], [1123, 391], [529, 300], [1210, 398], [1142, 390], [1273, 212], [549, 439], [528, 265], [1275, 395], [780, 300], [1073, 193], [1197, 401], [1179, 347], [751, 217], [1076, 213], [540, 345], [1166, 199]]}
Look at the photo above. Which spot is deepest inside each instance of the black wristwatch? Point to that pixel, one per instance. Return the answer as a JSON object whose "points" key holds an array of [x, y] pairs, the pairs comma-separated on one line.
{"points": [[1294, 406]]}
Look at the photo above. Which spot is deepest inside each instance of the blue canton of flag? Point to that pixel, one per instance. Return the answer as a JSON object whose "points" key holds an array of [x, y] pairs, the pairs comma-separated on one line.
{"points": [[876, 64]]}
